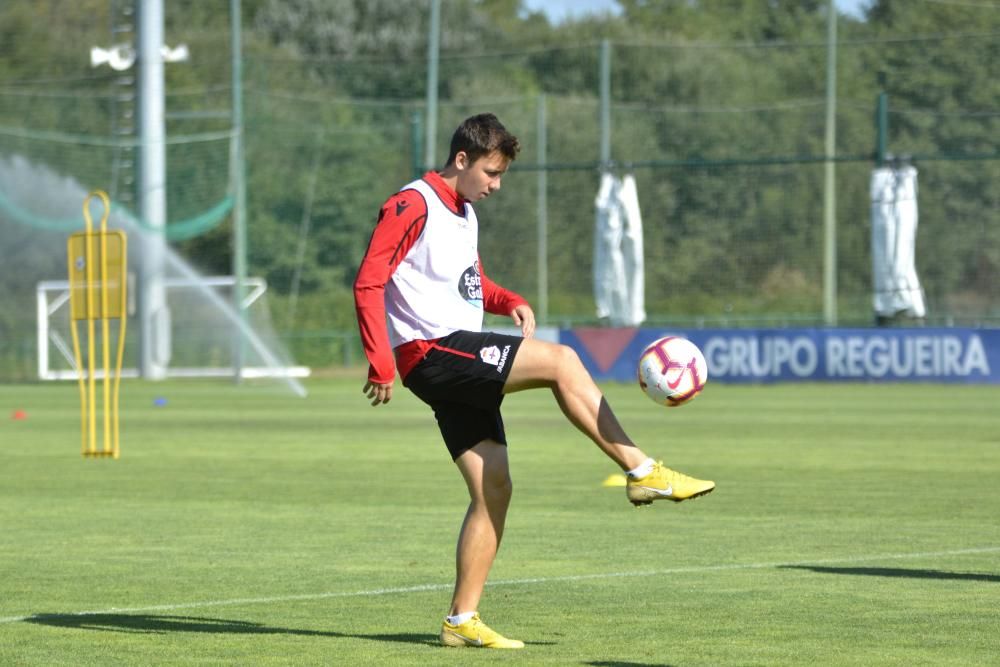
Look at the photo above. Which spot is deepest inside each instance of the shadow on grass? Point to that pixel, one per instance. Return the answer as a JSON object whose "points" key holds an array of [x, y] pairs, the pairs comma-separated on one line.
{"points": [[898, 572], [616, 663], [144, 623]]}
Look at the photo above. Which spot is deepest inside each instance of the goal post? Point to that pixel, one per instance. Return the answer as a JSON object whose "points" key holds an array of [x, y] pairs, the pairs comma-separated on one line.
{"points": [[203, 341]]}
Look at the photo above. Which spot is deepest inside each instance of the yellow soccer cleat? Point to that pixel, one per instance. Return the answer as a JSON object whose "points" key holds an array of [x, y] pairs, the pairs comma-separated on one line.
{"points": [[664, 483], [477, 634]]}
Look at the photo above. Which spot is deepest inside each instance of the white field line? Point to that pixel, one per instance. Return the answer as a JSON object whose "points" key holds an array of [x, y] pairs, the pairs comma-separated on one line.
{"points": [[511, 582]]}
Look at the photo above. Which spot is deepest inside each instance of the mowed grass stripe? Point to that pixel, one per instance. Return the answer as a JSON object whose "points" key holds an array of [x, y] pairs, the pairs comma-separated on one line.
{"points": [[422, 588]]}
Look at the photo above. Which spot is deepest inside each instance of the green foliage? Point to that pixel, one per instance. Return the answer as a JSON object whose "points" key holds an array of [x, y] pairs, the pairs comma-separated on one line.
{"points": [[717, 107]]}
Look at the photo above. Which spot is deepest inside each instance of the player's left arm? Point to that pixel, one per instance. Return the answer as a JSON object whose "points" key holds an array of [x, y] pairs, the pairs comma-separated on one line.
{"points": [[500, 301]]}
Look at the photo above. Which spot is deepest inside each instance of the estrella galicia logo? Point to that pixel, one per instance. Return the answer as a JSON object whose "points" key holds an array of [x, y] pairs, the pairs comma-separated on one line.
{"points": [[470, 285]]}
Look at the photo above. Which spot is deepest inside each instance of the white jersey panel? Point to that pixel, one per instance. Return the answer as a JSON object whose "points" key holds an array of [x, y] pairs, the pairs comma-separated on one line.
{"points": [[437, 288]]}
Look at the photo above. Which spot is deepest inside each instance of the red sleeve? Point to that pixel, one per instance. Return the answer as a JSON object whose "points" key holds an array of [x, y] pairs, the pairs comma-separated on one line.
{"points": [[400, 222], [496, 299]]}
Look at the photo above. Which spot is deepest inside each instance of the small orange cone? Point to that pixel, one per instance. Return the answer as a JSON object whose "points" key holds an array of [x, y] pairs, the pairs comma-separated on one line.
{"points": [[19, 415]]}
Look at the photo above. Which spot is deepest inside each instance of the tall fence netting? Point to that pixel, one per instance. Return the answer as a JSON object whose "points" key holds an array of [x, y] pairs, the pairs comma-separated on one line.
{"points": [[730, 177]]}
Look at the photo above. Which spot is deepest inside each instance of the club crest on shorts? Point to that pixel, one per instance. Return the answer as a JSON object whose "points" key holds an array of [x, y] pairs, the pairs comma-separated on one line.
{"points": [[493, 356], [490, 355]]}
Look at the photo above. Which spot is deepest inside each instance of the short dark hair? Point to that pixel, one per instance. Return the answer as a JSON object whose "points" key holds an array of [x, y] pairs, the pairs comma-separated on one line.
{"points": [[481, 135]]}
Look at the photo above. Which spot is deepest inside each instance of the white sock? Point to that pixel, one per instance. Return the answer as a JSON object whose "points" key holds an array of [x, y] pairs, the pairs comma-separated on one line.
{"points": [[642, 469], [458, 619]]}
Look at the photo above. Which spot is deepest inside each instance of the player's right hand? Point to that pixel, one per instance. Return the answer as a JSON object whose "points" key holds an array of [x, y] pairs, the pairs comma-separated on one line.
{"points": [[379, 393]]}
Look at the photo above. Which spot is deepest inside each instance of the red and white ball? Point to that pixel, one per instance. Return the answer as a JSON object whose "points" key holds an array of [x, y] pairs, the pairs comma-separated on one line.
{"points": [[672, 371]]}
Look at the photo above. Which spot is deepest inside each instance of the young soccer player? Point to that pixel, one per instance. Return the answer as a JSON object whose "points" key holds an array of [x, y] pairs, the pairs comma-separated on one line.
{"points": [[422, 274]]}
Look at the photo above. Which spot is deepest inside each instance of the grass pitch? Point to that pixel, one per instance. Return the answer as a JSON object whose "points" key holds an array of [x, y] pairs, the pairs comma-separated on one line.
{"points": [[852, 525]]}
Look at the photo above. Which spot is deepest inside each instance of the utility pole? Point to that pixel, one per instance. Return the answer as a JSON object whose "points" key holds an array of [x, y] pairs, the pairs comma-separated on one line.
{"points": [[830, 184], [154, 316], [543, 212], [238, 175], [433, 52], [605, 112]]}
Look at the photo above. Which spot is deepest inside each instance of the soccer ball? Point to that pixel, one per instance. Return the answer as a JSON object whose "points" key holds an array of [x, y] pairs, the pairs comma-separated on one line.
{"points": [[672, 371]]}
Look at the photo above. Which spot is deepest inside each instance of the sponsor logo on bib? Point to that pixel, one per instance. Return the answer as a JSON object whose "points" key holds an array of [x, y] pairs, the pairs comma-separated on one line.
{"points": [[470, 285]]}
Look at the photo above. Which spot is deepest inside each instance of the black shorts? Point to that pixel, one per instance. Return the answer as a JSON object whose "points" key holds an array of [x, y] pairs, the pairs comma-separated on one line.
{"points": [[462, 379]]}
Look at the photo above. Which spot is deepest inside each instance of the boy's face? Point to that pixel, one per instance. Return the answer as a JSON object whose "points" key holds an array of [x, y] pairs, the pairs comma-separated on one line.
{"points": [[478, 180]]}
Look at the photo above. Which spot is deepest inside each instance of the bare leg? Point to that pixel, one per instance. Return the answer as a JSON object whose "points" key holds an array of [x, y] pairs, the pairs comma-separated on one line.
{"points": [[487, 475], [542, 364]]}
